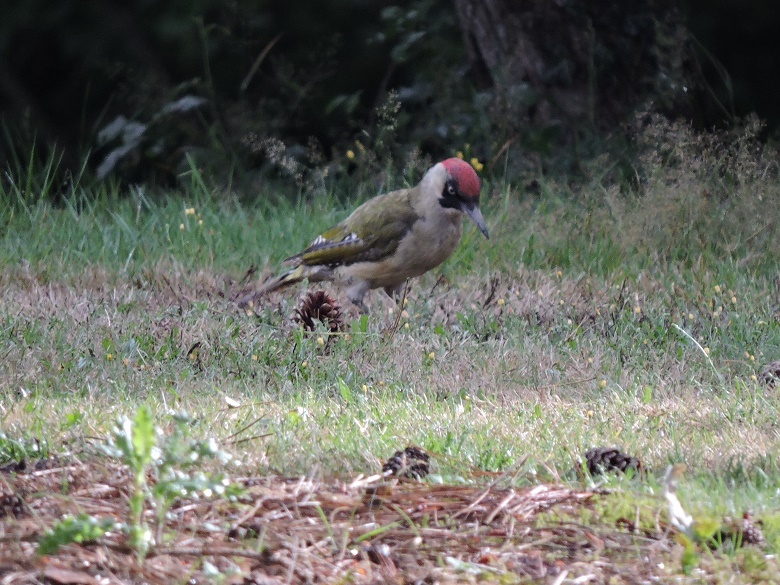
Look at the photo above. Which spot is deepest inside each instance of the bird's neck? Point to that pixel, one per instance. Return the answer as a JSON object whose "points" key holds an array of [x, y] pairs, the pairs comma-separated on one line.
{"points": [[429, 195]]}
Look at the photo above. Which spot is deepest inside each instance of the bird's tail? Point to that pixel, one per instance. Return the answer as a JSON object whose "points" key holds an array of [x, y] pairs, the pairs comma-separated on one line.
{"points": [[293, 276]]}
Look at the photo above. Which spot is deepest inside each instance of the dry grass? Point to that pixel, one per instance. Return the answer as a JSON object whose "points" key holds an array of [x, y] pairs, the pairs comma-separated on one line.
{"points": [[315, 530], [597, 357], [515, 371]]}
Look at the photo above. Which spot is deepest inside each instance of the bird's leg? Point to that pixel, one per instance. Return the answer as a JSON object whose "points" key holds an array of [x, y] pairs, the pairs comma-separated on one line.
{"points": [[394, 292], [356, 291], [398, 292]]}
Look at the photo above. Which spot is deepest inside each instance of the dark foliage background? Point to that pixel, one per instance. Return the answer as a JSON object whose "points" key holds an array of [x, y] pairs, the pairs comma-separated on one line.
{"points": [[133, 87]]}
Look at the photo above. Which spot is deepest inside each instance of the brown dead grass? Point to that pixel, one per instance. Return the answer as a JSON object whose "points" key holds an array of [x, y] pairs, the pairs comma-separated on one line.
{"points": [[315, 530], [514, 366]]}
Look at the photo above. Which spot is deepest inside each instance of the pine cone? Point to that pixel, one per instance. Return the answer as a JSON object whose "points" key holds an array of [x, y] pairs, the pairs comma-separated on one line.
{"points": [[319, 306], [770, 373], [14, 466], [742, 532], [412, 462], [11, 504], [604, 459]]}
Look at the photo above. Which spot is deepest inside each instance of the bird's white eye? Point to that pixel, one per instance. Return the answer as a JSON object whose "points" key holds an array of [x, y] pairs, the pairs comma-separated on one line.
{"points": [[451, 189]]}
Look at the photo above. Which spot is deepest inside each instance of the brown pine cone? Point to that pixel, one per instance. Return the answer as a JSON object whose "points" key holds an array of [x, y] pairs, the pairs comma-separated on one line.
{"points": [[412, 462], [319, 306], [742, 532], [11, 504], [604, 459]]}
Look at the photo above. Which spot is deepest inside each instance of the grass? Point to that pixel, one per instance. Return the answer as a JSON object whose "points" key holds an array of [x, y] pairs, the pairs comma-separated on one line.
{"points": [[572, 327]]}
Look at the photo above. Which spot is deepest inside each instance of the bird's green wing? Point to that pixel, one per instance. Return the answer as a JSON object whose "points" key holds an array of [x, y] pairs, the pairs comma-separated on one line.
{"points": [[372, 232]]}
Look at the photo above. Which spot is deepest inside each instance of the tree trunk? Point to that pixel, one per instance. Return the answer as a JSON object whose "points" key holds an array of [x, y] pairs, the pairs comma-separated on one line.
{"points": [[572, 61]]}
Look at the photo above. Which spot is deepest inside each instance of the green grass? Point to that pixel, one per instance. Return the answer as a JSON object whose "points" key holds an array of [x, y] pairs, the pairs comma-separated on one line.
{"points": [[554, 336]]}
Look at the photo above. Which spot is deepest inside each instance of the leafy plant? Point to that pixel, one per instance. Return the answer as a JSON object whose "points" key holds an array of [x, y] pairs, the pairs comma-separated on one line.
{"points": [[167, 459], [160, 140], [81, 528], [19, 449], [134, 443]]}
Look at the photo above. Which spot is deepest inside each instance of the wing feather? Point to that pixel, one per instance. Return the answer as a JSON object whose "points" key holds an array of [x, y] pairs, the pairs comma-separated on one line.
{"points": [[367, 235]]}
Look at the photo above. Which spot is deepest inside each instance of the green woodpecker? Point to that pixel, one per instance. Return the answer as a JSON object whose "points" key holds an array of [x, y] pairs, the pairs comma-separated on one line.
{"points": [[392, 237]]}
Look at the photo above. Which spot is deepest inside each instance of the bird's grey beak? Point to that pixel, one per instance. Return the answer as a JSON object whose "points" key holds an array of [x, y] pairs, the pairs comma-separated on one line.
{"points": [[476, 216]]}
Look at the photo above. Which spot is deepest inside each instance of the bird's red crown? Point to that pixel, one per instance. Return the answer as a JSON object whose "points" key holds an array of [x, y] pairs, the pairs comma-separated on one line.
{"points": [[464, 174]]}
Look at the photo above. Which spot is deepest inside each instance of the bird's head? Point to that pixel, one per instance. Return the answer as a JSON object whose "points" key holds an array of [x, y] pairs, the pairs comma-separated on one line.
{"points": [[461, 190]]}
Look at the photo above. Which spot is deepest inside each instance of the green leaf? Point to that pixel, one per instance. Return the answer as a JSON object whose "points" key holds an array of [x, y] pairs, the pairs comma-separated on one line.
{"points": [[377, 531], [705, 528], [294, 418], [73, 418], [689, 556], [140, 537], [135, 440], [402, 51], [344, 390], [360, 325], [528, 253], [81, 528], [143, 435]]}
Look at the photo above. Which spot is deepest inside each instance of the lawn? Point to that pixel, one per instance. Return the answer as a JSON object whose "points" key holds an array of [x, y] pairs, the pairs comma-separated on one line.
{"points": [[592, 317]]}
